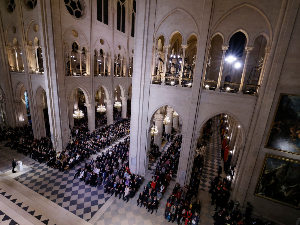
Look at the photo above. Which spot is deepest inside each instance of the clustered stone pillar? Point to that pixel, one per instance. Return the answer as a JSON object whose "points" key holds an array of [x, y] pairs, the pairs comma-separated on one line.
{"points": [[71, 109], [175, 121], [159, 118], [224, 49], [41, 121], [124, 106], [91, 115], [170, 115], [109, 112]]}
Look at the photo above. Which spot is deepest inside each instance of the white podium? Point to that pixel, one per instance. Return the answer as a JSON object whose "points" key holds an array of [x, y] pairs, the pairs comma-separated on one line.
{"points": [[19, 166]]}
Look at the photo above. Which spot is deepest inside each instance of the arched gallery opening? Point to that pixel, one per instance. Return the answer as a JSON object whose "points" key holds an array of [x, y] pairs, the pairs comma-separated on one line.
{"points": [[101, 109], [42, 113], [117, 103], [165, 127], [219, 147], [77, 109], [24, 109]]}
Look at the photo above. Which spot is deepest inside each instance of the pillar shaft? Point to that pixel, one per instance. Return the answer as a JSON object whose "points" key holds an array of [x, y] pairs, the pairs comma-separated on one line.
{"points": [[224, 49], [124, 107], [170, 115], [91, 115], [109, 112], [175, 122], [248, 50], [159, 118]]}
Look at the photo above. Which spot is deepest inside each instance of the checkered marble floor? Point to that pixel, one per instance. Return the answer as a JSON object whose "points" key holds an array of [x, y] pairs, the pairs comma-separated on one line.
{"points": [[6, 220], [73, 195], [212, 157]]}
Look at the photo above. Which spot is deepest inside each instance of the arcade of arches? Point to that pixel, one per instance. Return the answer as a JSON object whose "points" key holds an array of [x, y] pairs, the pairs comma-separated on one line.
{"points": [[109, 102]]}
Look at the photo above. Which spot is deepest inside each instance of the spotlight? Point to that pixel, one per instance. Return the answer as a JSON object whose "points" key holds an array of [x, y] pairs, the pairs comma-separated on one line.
{"points": [[178, 56], [230, 59], [239, 126], [237, 65], [228, 89], [206, 87]]}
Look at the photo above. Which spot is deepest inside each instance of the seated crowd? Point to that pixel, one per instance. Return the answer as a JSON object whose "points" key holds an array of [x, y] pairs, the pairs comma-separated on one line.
{"points": [[80, 148], [182, 206], [112, 170], [167, 165]]}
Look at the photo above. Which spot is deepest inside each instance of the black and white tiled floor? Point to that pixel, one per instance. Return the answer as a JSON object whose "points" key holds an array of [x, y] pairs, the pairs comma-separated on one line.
{"points": [[212, 157]]}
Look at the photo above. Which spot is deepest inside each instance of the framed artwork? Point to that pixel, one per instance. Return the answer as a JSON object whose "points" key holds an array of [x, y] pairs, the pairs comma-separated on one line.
{"points": [[284, 133], [279, 181]]}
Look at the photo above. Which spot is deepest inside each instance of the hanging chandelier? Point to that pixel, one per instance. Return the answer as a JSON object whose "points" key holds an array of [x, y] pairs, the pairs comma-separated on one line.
{"points": [[175, 114], [166, 120], [78, 114], [154, 131], [101, 109], [117, 105]]}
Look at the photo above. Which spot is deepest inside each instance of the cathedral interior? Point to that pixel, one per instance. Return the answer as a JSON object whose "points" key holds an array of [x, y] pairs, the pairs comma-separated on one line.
{"points": [[149, 112]]}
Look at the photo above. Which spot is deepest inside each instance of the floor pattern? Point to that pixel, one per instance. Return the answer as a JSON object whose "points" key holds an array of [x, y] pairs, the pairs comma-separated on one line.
{"points": [[6, 220], [61, 188], [25, 207], [212, 157]]}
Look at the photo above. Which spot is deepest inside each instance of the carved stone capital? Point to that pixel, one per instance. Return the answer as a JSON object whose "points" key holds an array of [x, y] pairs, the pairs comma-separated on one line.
{"points": [[249, 49], [225, 48], [158, 117]]}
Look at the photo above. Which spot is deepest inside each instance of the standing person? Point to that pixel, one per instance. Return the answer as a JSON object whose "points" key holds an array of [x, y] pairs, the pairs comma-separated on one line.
{"points": [[14, 164]]}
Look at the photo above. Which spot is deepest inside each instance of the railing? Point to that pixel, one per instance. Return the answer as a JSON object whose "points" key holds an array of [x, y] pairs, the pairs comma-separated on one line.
{"points": [[251, 89], [15, 70], [210, 84], [156, 79], [229, 87], [102, 74], [76, 73]]}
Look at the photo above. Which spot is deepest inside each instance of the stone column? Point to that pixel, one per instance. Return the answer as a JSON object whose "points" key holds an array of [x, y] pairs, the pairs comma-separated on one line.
{"points": [[124, 106], [116, 66], [170, 115], [41, 121], [182, 64], [80, 66], [159, 118], [263, 69], [91, 115], [71, 111], [36, 57], [104, 64], [224, 49], [98, 71], [16, 57], [110, 65], [165, 65], [176, 122], [248, 50], [71, 74], [109, 112]]}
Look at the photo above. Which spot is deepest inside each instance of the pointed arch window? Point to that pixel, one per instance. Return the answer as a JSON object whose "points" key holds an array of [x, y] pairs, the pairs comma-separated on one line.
{"points": [[121, 15], [133, 17], [102, 11]]}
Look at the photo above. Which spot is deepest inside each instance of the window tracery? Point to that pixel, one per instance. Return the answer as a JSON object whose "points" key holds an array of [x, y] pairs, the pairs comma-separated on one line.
{"points": [[30, 4], [75, 8], [102, 11], [133, 17], [121, 15], [10, 5]]}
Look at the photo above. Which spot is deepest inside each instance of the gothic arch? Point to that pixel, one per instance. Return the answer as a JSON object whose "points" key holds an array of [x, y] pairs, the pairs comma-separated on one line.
{"points": [[123, 90], [252, 7], [84, 90], [218, 33], [259, 34], [169, 14], [219, 113], [236, 31], [74, 34], [106, 90]]}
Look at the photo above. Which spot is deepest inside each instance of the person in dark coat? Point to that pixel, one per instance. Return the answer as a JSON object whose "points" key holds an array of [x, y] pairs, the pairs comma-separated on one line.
{"points": [[14, 164]]}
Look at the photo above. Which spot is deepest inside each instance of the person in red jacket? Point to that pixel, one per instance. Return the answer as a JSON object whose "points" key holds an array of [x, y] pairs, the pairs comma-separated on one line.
{"points": [[153, 184], [188, 216]]}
